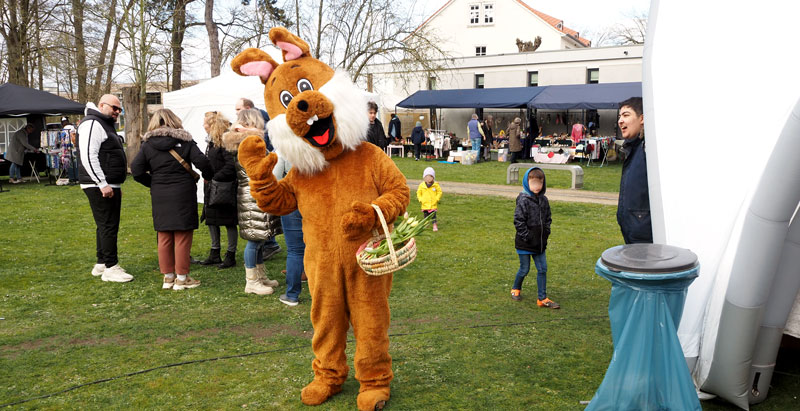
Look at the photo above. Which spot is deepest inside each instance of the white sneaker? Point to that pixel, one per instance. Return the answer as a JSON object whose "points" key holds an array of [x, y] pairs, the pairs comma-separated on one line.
{"points": [[98, 269], [116, 274]]}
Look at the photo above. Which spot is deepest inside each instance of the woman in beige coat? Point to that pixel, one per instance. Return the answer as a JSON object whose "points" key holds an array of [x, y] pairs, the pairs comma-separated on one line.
{"points": [[514, 142]]}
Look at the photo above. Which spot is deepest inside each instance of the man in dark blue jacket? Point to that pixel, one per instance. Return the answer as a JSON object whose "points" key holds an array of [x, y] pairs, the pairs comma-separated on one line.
{"points": [[633, 209]]}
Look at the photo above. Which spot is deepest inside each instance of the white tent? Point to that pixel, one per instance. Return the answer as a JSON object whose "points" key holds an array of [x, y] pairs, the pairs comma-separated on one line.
{"points": [[721, 184], [217, 94]]}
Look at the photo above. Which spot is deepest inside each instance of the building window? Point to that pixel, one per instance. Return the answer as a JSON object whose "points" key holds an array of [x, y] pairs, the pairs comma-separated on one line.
{"points": [[488, 13], [533, 78], [474, 13], [431, 83], [479, 81], [480, 50], [153, 98], [592, 76]]}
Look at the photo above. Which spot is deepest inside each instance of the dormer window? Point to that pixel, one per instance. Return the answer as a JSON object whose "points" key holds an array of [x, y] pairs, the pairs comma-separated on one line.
{"points": [[474, 13], [481, 14]]}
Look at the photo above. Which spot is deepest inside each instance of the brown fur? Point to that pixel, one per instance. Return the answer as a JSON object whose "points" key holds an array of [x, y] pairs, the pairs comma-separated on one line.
{"points": [[337, 219]]}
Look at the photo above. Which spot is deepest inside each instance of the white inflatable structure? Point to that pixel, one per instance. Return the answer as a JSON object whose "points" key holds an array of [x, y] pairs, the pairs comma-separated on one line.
{"points": [[721, 90]]}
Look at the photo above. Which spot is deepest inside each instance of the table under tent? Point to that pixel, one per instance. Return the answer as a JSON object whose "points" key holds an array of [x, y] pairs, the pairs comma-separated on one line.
{"points": [[551, 111]]}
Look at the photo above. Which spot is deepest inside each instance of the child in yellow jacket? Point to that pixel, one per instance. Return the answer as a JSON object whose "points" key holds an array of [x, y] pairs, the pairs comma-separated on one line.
{"points": [[429, 193]]}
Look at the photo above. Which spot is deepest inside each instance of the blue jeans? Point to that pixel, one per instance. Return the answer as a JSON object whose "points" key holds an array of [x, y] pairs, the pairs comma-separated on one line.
{"points": [[293, 234], [253, 253], [15, 171], [541, 276], [476, 145]]}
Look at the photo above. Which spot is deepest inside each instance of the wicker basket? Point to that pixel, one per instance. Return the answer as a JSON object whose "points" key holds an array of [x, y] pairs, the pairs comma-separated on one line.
{"points": [[387, 264]]}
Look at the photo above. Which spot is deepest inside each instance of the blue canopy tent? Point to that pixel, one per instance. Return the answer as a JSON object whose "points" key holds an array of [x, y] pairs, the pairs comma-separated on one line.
{"points": [[586, 96], [509, 97], [572, 96]]}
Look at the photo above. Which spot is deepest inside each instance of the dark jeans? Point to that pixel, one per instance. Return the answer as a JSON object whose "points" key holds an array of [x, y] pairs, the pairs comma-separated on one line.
{"points": [[106, 217], [425, 213], [515, 156], [417, 148], [541, 276], [293, 234]]}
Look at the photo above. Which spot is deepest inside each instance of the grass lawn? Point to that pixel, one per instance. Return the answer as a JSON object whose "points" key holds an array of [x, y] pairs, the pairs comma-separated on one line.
{"points": [[458, 340], [604, 178]]}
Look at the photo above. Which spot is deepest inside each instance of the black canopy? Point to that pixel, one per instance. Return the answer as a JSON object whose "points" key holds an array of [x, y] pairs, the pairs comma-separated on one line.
{"points": [[20, 101]]}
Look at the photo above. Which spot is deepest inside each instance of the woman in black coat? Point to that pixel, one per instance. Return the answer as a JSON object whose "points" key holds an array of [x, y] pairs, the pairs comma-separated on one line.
{"points": [[173, 192], [224, 171]]}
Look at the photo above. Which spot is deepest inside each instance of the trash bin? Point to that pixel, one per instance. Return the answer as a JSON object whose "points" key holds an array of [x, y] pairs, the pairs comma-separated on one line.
{"points": [[647, 369]]}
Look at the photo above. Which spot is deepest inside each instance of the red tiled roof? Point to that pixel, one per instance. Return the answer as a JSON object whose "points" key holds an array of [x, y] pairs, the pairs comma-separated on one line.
{"points": [[555, 23]]}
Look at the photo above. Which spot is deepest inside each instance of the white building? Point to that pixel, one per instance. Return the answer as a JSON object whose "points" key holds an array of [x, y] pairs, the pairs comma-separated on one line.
{"points": [[481, 36]]}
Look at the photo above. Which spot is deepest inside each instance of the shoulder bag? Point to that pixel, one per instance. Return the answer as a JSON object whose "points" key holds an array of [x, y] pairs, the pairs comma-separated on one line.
{"points": [[222, 193], [185, 165]]}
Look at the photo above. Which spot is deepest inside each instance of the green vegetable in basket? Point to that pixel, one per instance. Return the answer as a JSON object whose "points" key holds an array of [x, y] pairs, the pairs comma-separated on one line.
{"points": [[409, 228]]}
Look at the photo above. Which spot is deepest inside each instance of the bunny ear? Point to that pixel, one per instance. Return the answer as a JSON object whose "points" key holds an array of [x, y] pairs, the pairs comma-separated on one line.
{"points": [[254, 62], [291, 46]]}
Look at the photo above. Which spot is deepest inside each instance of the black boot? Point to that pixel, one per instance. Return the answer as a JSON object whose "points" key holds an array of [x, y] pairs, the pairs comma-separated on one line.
{"points": [[213, 257], [230, 260]]}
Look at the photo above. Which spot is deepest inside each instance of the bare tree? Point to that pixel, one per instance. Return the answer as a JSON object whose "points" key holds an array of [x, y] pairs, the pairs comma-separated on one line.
{"points": [[632, 31], [213, 38], [354, 34], [15, 19]]}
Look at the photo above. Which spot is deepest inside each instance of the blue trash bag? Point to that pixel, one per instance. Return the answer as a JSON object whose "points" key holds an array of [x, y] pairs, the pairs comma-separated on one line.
{"points": [[648, 370]]}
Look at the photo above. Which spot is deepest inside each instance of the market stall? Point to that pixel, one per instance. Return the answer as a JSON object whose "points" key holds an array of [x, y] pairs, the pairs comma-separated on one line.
{"points": [[21, 105]]}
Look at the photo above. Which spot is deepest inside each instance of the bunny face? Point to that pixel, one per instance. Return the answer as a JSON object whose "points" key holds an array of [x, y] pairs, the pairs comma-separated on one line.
{"points": [[315, 112]]}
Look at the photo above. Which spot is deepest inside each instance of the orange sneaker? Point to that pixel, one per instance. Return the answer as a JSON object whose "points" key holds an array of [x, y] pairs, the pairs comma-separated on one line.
{"points": [[516, 295], [548, 303]]}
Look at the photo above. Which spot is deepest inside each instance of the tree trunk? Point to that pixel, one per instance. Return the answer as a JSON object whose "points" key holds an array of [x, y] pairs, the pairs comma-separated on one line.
{"points": [[134, 123], [80, 50], [318, 51], [101, 57], [176, 43], [213, 39], [15, 33], [113, 57], [39, 63], [297, 16]]}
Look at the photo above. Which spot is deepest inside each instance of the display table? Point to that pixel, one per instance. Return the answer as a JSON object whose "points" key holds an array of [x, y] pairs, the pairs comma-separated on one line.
{"points": [[647, 370], [400, 148]]}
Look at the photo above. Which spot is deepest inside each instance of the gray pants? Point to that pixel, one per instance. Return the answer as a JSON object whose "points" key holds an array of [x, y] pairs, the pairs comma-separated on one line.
{"points": [[233, 237]]}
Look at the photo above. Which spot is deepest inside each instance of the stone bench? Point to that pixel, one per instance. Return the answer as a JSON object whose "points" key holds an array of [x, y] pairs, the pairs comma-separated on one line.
{"points": [[512, 174]]}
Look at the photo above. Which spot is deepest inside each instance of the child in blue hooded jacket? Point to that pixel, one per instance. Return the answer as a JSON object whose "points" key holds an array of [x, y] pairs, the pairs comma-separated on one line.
{"points": [[532, 221]]}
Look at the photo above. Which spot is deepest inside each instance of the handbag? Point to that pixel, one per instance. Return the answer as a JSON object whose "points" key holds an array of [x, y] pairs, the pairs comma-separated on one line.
{"points": [[185, 165], [222, 193]]}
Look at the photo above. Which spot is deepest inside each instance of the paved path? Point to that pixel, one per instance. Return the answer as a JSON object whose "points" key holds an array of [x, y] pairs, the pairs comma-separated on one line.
{"points": [[511, 191]]}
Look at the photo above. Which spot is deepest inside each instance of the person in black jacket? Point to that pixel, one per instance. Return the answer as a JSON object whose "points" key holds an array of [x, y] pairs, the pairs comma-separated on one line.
{"points": [[417, 138], [166, 147], [375, 134], [532, 221], [102, 169], [216, 216], [395, 132], [633, 207]]}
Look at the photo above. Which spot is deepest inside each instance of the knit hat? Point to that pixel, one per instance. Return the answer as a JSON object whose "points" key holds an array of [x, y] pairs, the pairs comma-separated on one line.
{"points": [[419, 124], [429, 172]]}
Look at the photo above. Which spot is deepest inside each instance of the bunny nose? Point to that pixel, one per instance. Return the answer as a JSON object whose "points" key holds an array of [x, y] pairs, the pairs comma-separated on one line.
{"points": [[302, 105]]}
